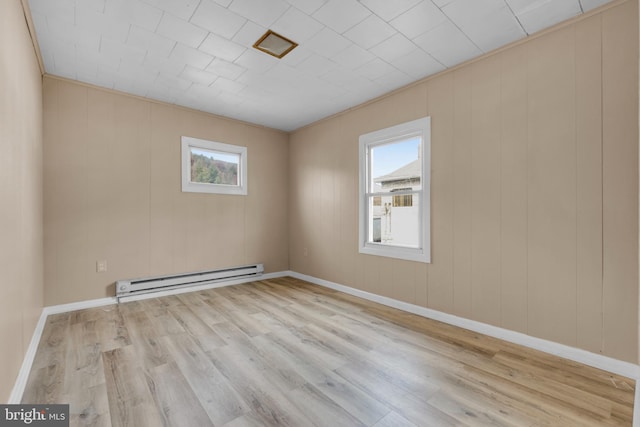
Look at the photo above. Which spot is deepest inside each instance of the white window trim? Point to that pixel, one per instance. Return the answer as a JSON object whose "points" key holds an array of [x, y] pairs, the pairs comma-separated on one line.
{"points": [[420, 127], [196, 187]]}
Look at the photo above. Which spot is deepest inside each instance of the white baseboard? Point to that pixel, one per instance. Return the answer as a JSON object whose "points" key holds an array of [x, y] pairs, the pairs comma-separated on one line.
{"points": [[636, 407], [599, 361], [27, 363], [23, 375], [80, 305]]}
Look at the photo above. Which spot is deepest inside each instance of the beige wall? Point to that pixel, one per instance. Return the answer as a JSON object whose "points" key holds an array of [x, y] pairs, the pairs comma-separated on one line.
{"points": [[20, 192], [534, 189], [113, 192]]}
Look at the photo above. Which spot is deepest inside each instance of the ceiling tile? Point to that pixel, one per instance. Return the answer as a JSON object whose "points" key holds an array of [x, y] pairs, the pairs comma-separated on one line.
{"points": [[116, 49], [256, 60], [222, 48], [63, 10], [49, 64], [52, 46], [340, 15], [40, 22], [226, 85], [394, 80], [97, 5], [65, 63], [104, 79], [262, 12], [124, 84], [356, 87], [136, 71], [133, 12], [73, 35], [115, 27], [536, 15], [256, 85], [350, 51], [418, 64], [296, 56], [183, 9], [447, 44], [181, 31], [353, 57], [488, 23], [423, 17], [163, 93], [388, 10], [149, 41], [173, 82], [249, 34], [375, 69], [284, 73], [394, 47], [217, 19], [225, 69], [316, 65], [341, 77], [196, 75], [592, 4], [307, 6], [327, 43], [201, 93], [370, 32], [442, 3], [296, 26], [163, 64], [227, 99], [188, 55]]}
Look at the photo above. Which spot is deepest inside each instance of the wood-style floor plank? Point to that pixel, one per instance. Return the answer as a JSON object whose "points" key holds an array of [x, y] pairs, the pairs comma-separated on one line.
{"points": [[284, 352]]}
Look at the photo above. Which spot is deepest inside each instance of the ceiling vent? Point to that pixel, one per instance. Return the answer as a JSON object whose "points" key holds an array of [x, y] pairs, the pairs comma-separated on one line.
{"points": [[274, 44]]}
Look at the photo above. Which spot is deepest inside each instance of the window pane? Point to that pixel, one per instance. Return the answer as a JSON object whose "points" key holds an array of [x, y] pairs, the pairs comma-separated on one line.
{"points": [[396, 221], [396, 166], [214, 167]]}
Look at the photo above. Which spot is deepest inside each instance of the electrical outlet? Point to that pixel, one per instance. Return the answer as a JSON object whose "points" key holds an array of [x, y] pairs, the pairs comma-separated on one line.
{"points": [[305, 252], [101, 266]]}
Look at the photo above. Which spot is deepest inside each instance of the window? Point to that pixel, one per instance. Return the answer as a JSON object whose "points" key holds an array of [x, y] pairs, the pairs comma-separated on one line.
{"points": [[213, 167], [403, 201], [394, 191]]}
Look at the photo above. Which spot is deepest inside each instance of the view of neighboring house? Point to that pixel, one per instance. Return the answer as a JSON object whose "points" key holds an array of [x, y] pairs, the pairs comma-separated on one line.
{"points": [[395, 215]]}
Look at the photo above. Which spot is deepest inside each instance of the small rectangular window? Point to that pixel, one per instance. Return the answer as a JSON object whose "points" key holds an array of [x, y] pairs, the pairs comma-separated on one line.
{"points": [[394, 191], [213, 167]]}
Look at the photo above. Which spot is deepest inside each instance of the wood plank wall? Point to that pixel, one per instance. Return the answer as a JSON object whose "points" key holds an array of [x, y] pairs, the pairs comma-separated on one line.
{"points": [[113, 192], [21, 259], [534, 189]]}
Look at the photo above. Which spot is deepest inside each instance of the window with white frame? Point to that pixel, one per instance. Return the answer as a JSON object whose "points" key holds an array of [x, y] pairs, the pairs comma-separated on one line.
{"points": [[213, 167], [394, 191]]}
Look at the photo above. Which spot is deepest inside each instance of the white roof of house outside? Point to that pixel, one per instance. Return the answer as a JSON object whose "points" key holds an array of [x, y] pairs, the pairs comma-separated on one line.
{"points": [[408, 171]]}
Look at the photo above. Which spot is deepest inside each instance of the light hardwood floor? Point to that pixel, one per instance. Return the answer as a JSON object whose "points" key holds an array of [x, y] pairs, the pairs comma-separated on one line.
{"points": [[286, 352]]}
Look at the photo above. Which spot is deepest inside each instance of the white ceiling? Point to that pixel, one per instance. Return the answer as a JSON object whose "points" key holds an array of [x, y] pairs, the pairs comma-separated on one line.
{"points": [[198, 54]]}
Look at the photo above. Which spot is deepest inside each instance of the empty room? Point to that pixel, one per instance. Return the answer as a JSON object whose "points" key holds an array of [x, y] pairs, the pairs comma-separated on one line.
{"points": [[319, 212]]}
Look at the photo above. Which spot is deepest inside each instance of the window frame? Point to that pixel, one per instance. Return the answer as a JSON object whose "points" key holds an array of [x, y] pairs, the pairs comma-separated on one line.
{"points": [[422, 128], [188, 186]]}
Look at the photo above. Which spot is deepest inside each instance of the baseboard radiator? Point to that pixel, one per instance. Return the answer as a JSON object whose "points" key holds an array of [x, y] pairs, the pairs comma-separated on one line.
{"points": [[127, 288]]}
